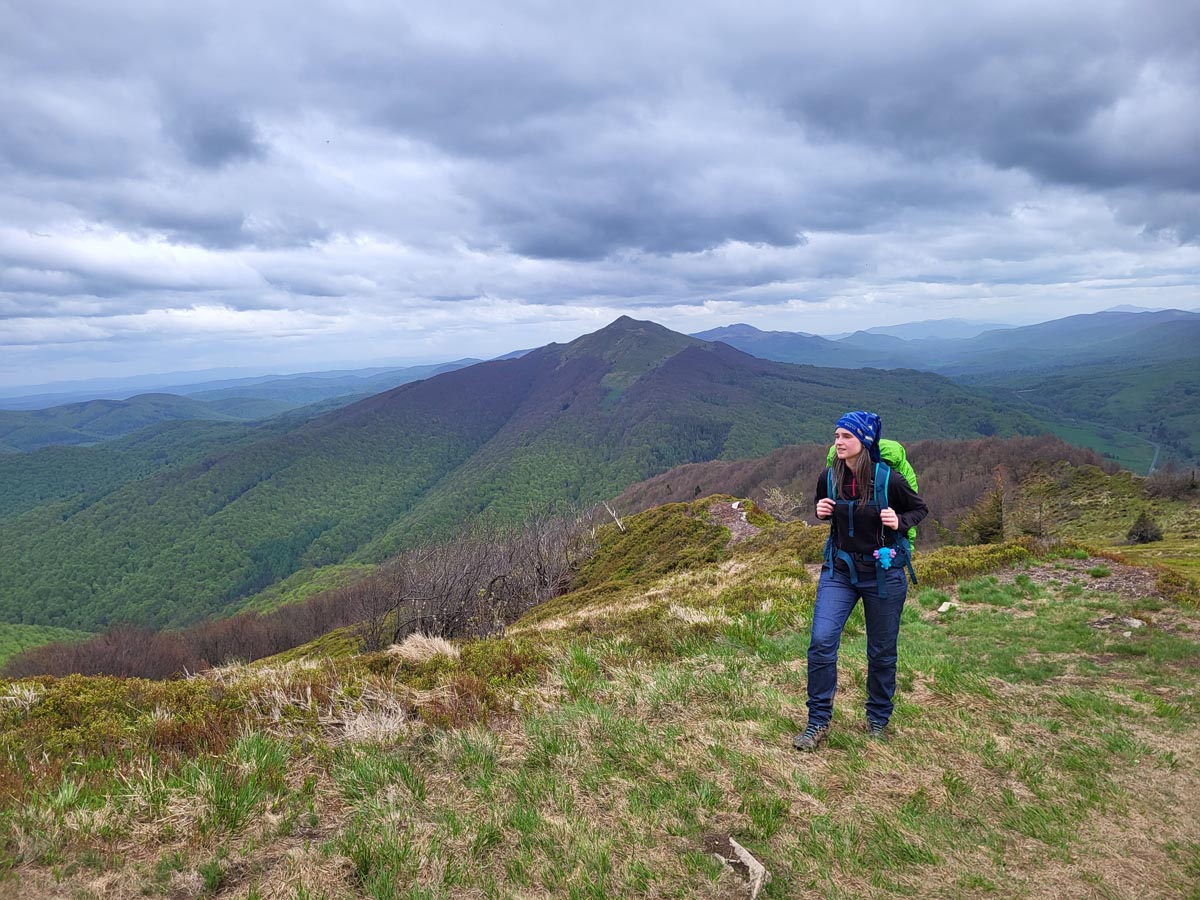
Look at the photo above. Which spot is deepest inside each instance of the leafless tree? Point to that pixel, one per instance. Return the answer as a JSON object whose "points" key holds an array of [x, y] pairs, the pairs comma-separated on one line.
{"points": [[1171, 482], [479, 582]]}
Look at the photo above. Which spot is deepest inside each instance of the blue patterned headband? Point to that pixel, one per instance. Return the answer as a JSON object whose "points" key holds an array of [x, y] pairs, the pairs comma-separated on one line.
{"points": [[867, 427]]}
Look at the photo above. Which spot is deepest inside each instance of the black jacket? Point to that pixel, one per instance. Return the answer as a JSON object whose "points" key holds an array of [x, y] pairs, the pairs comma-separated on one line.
{"points": [[868, 530]]}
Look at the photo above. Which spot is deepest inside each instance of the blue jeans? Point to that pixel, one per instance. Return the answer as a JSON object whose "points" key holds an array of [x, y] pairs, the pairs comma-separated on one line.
{"points": [[836, 597]]}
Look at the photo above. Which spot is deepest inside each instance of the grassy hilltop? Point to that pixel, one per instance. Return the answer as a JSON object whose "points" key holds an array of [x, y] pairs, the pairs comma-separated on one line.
{"points": [[1045, 740]]}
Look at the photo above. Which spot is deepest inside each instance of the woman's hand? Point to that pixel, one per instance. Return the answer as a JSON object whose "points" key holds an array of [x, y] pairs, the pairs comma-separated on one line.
{"points": [[888, 517], [824, 508]]}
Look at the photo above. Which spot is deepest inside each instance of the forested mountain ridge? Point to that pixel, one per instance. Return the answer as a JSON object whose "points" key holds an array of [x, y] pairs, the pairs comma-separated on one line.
{"points": [[96, 420], [1074, 340], [1119, 382], [1108, 337], [296, 391], [575, 421], [184, 543], [809, 349]]}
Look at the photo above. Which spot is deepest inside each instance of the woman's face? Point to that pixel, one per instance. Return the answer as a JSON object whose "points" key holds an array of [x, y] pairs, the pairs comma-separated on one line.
{"points": [[845, 444]]}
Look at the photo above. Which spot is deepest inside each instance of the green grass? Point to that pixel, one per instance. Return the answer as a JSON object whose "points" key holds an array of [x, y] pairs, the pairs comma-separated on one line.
{"points": [[1181, 554], [591, 750], [1129, 451], [301, 585], [15, 639]]}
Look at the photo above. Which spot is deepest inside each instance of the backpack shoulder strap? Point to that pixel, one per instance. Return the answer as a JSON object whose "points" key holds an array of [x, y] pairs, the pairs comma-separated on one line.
{"points": [[883, 473], [832, 496]]}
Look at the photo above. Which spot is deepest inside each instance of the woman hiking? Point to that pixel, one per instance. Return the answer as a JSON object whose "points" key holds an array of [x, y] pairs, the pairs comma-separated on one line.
{"points": [[865, 558]]}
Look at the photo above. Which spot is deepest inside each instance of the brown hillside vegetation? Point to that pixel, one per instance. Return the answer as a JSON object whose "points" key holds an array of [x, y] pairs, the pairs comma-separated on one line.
{"points": [[953, 476], [474, 584]]}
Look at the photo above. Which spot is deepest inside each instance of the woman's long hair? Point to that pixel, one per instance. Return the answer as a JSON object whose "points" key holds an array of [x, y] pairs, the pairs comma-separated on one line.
{"points": [[864, 474]]}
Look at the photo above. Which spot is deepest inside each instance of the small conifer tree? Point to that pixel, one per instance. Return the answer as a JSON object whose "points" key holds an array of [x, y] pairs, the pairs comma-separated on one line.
{"points": [[984, 524], [1145, 530]]}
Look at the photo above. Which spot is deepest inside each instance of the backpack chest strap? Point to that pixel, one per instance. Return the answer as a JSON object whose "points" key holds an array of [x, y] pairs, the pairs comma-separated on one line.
{"points": [[878, 495]]}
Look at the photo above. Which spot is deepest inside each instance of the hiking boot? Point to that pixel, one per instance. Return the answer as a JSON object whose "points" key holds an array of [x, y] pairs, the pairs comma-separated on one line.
{"points": [[876, 730], [811, 738]]}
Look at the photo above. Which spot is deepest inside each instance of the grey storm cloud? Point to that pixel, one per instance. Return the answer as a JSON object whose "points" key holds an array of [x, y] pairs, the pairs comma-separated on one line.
{"points": [[550, 163], [1080, 96], [1101, 96], [211, 138]]}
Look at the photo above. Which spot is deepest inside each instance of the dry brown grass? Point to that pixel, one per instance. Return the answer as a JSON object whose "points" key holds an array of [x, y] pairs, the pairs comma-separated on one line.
{"points": [[419, 648], [1119, 855], [693, 616]]}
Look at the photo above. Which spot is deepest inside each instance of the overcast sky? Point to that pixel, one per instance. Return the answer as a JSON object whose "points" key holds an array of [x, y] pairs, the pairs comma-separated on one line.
{"points": [[291, 186]]}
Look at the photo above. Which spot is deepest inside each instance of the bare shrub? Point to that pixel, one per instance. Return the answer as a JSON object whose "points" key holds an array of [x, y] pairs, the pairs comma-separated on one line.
{"points": [[1172, 482], [372, 603], [124, 650], [781, 505], [487, 577]]}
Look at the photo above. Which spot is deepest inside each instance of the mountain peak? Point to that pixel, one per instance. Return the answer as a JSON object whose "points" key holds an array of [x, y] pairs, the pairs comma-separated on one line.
{"points": [[631, 346], [630, 325], [739, 329], [626, 333], [748, 333], [625, 322]]}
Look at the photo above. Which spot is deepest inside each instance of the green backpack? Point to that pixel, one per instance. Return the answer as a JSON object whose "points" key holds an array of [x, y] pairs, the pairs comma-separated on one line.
{"points": [[892, 453]]}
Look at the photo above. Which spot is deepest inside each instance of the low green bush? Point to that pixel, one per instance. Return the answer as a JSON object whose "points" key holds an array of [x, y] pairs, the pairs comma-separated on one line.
{"points": [[947, 565]]}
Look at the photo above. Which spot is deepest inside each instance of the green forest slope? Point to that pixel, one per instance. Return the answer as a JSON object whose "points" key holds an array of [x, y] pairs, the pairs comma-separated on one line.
{"points": [[17, 638], [83, 474]]}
